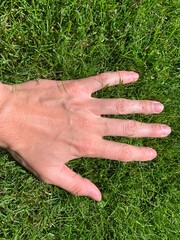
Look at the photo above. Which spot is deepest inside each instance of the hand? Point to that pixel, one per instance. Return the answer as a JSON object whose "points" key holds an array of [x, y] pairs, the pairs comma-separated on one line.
{"points": [[47, 123]]}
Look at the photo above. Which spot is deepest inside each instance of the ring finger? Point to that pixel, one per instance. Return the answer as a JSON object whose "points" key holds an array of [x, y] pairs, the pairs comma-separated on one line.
{"points": [[129, 128]]}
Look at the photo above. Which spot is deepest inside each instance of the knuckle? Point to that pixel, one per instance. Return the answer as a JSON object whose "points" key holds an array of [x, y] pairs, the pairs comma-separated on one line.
{"points": [[77, 189], [46, 180], [125, 153], [48, 177], [142, 106], [68, 86], [86, 148], [155, 129], [120, 106], [74, 86], [130, 128], [87, 124], [101, 78]]}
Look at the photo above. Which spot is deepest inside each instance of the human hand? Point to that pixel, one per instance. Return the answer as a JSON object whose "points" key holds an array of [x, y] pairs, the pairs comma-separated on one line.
{"points": [[47, 123]]}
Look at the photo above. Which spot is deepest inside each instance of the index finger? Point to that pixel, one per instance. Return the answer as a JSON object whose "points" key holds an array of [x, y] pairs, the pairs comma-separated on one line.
{"points": [[95, 83]]}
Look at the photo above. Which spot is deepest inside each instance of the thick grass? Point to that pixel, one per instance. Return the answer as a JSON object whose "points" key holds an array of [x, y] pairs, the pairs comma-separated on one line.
{"points": [[72, 39]]}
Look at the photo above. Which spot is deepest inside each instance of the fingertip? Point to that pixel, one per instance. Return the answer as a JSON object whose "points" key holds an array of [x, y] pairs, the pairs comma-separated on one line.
{"points": [[166, 130], [134, 76], [158, 107], [153, 154], [94, 193], [97, 196], [149, 154]]}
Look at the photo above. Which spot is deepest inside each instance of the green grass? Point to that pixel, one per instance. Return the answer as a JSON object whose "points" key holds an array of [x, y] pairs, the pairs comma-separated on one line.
{"points": [[72, 39]]}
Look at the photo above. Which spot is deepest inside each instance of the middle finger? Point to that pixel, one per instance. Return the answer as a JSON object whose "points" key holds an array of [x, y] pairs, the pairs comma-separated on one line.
{"points": [[124, 106]]}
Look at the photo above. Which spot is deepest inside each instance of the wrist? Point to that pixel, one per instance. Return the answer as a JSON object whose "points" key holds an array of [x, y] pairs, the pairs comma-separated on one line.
{"points": [[5, 92], [5, 96]]}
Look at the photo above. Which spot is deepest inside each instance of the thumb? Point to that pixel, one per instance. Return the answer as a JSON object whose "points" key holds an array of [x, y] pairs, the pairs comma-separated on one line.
{"points": [[77, 185]]}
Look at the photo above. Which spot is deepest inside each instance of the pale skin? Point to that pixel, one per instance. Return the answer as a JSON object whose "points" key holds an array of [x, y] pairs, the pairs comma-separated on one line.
{"points": [[47, 123]]}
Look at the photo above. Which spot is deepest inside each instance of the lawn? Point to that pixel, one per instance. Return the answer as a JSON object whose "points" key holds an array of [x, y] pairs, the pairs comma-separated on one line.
{"points": [[73, 39]]}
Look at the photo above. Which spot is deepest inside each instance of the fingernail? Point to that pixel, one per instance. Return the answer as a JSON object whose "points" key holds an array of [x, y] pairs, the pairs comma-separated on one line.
{"points": [[158, 107], [165, 130]]}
